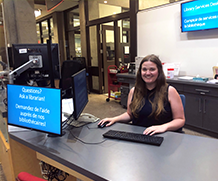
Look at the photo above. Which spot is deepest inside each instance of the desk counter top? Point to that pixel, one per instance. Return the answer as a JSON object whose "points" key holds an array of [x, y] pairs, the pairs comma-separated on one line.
{"points": [[180, 157], [130, 78]]}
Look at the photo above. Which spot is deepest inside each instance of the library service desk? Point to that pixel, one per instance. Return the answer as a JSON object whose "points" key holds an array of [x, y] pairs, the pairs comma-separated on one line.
{"points": [[180, 157]]}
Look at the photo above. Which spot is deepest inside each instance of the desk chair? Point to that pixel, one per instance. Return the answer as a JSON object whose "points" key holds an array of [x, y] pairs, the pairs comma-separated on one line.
{"points": [[82, 60], [24, 176], [183, 100], [68, 68], [183, 103]]}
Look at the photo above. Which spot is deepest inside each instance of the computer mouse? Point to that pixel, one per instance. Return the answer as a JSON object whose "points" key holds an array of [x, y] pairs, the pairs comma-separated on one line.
{"points": [[103, 124]]}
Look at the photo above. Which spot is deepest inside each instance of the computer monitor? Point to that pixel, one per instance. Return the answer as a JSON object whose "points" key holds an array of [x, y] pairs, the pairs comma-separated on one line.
{"points": [[68, 68], [22, 53], [10, 59], [36, 108], [80, 92]]}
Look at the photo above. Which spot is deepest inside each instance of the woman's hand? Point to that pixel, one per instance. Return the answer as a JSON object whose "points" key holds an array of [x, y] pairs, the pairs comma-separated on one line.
{"points": [[155, 129], [124, 118], [109, 120]]}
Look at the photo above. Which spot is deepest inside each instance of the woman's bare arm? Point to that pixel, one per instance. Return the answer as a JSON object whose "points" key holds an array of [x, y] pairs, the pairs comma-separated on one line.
{"points": [[178, 115]]}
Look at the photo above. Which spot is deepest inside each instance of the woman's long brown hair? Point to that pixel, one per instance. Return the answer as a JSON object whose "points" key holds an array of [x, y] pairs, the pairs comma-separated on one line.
{"points": [[141, 90]]}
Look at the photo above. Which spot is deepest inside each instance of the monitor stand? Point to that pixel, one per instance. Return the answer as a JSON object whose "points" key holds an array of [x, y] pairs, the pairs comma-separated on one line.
{"points": [[84, 119]]}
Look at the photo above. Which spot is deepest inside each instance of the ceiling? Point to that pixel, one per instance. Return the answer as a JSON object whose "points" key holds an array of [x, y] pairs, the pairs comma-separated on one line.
{"points": [[66, 4], [42, 2]]}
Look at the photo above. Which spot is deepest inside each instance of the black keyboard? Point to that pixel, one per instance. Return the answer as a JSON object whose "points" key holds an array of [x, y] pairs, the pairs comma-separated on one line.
{"points": [[135, 137]]}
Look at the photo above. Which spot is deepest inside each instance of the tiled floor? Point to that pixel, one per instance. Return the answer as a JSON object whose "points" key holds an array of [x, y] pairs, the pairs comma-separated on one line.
{"points": [[188, 131]]}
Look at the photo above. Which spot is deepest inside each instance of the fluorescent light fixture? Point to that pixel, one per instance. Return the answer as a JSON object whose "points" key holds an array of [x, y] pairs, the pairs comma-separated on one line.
{"points": [[37, 12]]}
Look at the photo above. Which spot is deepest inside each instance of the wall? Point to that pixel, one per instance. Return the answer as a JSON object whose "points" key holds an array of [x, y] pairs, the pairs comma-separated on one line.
{"points": [[59, 34], [2, 47], [143, 4], [158, 32], [108, 10], [61, 7], [20, 21]]}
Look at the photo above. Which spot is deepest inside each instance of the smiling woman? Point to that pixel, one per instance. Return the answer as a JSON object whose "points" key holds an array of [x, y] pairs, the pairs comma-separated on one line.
{"points": [[149, 74], [152, 103]]}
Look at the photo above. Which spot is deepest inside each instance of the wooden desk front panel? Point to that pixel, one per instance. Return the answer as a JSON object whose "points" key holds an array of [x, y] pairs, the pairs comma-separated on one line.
{"points": [[24, 159], [5, 158]]}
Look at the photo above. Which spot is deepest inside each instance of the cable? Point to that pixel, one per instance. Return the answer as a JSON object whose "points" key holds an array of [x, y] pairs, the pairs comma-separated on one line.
{"points": [[86, 142], [67, 120], [5, 102], [49, 172], [4, 65]]}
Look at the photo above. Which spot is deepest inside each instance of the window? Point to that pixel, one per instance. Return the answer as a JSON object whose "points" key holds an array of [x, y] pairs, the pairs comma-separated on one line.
{"points": [[45, 31], [100, 10], [73, 19], [38, 33], [78, 45], [72, 24]]}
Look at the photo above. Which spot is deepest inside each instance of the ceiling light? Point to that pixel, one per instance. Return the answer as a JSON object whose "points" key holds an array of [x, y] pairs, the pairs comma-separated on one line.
{"points": [[105, 2], [38, 12]]}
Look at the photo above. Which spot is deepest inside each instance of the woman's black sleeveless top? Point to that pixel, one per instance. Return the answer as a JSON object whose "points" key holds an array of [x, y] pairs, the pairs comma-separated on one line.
{"points": [[145, 120]]}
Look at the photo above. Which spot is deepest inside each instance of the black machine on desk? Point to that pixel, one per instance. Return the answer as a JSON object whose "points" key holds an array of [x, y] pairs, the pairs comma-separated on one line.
{"points": [[38, 62]]}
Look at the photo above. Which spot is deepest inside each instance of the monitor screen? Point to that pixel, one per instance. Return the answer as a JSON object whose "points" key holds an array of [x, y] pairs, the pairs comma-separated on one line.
{"points": [[199, 15], [80, 92], [22, 53], [35, 108]]}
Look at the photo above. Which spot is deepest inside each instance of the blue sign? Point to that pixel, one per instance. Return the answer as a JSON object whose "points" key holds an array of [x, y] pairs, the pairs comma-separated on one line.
{"points": [[35, 108], [199, 15]]}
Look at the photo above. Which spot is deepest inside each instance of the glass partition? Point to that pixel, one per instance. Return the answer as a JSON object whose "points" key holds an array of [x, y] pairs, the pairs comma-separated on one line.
{"points": [[124, 53], [45, 34], [78, 45], [100, 8], [38, 33], [52, 30], [73, 37], [45, 31], [94, 55], [73, 19], [76, 21]]}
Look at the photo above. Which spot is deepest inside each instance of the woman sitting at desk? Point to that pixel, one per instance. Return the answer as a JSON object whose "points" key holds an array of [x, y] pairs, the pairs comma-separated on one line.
{"points": [[152, 103]]}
